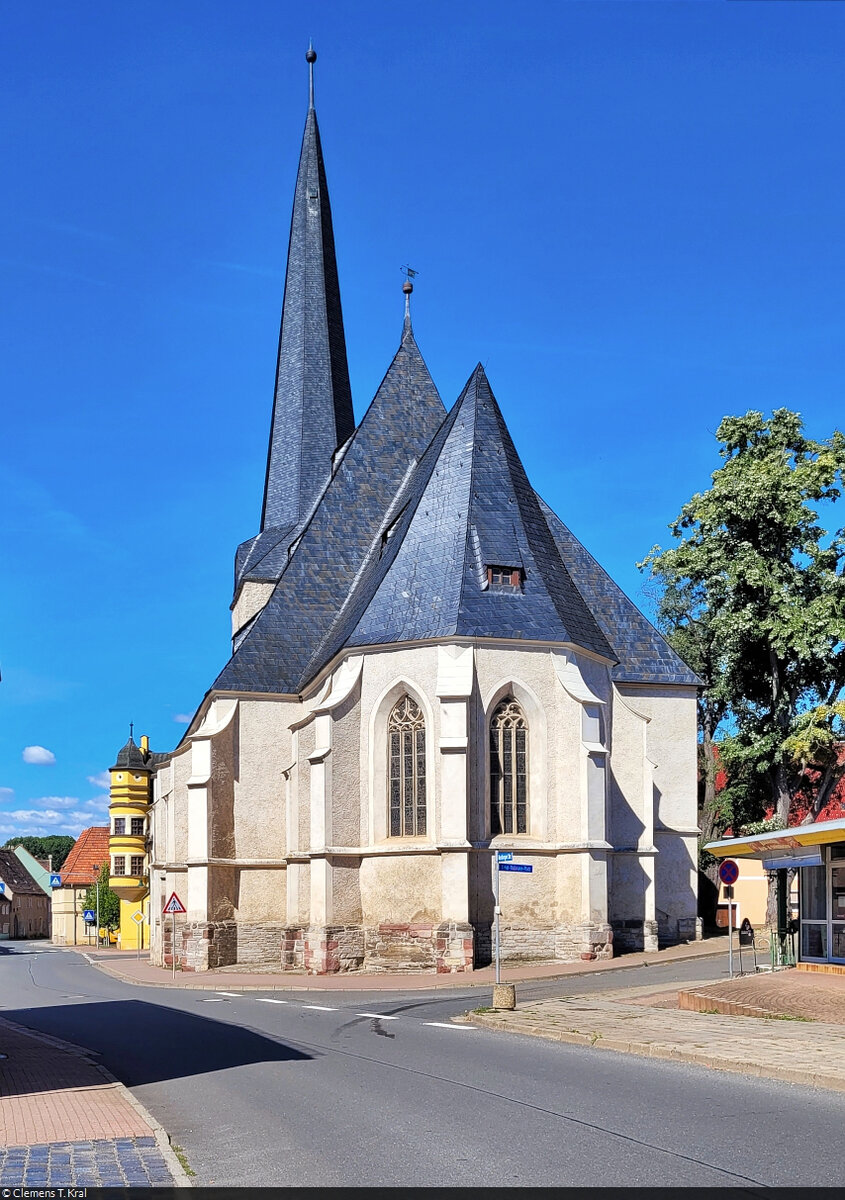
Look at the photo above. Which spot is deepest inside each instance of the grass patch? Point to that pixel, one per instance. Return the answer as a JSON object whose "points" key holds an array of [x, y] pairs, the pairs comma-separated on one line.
{"points": [[786, 1017], [483, 1008], [183, 1159]]}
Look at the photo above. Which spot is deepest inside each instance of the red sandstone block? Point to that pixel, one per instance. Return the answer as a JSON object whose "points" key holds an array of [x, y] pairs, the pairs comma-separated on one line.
{"points": [[589, 955], [390, 928]]}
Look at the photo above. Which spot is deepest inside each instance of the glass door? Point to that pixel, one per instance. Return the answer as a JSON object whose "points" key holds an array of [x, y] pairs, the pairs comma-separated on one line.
{"points": [[837, 911], [813, 897]]}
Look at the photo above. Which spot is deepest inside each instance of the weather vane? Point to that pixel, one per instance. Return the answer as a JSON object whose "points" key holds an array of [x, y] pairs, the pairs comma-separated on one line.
{"points": [[409, 273]]}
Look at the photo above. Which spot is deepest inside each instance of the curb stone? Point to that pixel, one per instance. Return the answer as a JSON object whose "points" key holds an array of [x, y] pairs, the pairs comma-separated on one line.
{"points": [[180, 1176], [649, 1050]]}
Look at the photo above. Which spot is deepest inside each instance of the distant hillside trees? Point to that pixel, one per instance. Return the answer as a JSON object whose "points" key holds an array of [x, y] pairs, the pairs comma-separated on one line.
{"points": [[58, 845]]}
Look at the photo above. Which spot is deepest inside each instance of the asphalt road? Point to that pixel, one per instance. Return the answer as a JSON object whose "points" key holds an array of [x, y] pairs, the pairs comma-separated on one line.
{"points": [[305, 1089]]}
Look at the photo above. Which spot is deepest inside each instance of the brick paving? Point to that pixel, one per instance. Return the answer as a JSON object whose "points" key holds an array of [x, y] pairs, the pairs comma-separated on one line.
{"points": [[640, 1021], [814, 997], [64, 1120]]}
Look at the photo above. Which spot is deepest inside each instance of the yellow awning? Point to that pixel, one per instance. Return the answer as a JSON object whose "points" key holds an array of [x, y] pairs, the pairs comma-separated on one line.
{"points": [[761, 845]]}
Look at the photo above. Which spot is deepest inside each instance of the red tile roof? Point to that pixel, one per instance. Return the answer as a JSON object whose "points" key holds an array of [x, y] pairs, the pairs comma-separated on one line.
{"points": [[90, 849]]}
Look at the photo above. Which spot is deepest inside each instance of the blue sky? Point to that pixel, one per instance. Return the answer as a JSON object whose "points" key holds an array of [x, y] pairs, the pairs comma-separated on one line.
{"points": [[631, 213]]}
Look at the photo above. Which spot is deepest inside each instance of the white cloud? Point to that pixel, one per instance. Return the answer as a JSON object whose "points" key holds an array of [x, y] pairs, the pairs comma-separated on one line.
{"points": [[4, 791], [101, 781], [45, 802], [182, 718], [99, 802], [37, 754]]}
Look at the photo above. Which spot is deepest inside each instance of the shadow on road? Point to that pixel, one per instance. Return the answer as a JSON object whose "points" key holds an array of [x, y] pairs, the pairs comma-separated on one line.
{"points": [[148, 1043]]}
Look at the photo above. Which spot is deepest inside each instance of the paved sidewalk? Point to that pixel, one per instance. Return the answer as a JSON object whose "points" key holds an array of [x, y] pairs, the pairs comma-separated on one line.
{"points": [[642, 1021], [126, 965], [65, 1121], [796, 994]]}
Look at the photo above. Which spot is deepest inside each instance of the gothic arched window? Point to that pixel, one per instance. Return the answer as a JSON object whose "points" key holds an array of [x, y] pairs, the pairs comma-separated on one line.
{"points": [[508, 769], [406, 769]]}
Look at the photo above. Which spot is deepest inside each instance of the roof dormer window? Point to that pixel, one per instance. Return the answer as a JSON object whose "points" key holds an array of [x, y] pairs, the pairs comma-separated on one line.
{"points": [[504, 578]]}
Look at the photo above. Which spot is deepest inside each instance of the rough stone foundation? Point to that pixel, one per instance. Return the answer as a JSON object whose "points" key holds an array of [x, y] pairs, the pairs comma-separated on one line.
{"points": [[587, 942], [635, 935], [329, 949]]}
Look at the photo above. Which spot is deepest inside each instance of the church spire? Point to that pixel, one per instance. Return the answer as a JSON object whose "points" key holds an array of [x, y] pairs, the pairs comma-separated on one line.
{"points": [[312, 407]]}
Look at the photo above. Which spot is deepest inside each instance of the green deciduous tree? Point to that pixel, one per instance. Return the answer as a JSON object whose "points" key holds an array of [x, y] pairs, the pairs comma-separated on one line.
{"points": [[753, 596], [109, 902]]}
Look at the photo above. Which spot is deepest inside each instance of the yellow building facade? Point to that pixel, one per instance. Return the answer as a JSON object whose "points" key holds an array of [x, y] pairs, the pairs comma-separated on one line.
{"points": [[130, 783]]}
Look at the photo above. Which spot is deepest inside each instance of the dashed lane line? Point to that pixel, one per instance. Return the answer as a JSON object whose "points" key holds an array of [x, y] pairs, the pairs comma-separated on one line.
{"points": [[234, 995], [270, 1000], [447, 1025], [319, 1007], [378, 1016]]}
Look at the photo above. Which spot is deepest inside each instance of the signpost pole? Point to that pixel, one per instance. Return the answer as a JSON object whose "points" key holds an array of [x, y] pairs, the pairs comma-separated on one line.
{"points": [[730, 894], [496, 912], [173, 944], [97, 939]]}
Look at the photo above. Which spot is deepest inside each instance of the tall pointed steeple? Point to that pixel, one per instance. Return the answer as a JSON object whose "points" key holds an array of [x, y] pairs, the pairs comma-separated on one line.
{"points": [[312, 407]]}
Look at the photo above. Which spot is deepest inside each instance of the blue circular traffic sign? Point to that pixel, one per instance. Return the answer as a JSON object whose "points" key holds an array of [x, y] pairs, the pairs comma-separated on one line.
{"points": [[728, 871]]}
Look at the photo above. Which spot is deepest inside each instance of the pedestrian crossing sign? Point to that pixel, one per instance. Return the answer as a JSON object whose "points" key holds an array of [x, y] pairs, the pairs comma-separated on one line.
{"points": [[174, 904]]}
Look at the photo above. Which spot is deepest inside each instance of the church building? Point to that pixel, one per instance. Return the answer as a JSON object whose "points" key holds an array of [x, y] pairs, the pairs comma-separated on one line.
{"points": [[427, 668]]}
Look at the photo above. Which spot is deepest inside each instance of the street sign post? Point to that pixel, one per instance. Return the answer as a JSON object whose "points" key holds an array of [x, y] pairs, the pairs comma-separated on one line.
{"points": [[502, 861], [89, 916], [173, 906], [729, 873], [55, 881], [138, 918]]}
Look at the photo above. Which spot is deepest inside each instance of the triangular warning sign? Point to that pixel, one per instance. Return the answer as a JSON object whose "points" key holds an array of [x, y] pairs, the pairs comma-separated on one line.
{"points": [[174, 904]]}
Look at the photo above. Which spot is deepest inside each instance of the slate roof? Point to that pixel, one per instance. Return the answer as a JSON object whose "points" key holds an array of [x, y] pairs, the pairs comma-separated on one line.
{"points": [[469, 506], [312, 405], [90, 848], [644, 654], [15, 875], [400, 423], [132, 758]]}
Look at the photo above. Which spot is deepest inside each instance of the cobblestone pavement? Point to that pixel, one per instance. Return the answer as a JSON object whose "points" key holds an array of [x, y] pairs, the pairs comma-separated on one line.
{"points": [[810, 1053], [799, 994], [123, 1162], [65, 1121]]}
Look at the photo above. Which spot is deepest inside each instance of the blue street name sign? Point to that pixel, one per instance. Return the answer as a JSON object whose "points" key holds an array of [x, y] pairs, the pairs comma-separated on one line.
{"points": [[504, 856], [2, 888], [515, 867], [89, 916], [55, 881]]}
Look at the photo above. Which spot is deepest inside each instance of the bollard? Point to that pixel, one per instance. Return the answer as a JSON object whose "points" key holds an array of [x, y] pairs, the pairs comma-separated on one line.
{"points": [[504, 995]]}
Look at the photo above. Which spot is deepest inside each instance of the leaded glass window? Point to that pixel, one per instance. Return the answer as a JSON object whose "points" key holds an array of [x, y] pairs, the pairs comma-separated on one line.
{"points": [[508, 769], [406, 771]]}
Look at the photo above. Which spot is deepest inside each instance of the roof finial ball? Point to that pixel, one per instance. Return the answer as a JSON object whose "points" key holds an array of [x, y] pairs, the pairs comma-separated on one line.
{"points": [[407, 287], [311, 55]]}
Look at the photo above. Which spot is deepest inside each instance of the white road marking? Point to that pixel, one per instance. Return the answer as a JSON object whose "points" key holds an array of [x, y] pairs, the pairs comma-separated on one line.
{"points": [[234, 995], [269, 1000], [378, 1016], [213, 1000], [448, 1025], [319, 1007]]}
